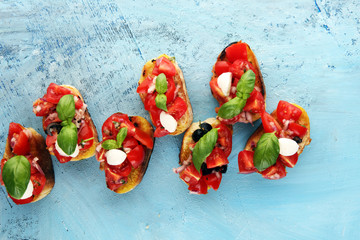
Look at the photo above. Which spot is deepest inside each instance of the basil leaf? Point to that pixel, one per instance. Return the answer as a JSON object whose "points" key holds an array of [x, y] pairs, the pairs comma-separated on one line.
{"points": [[161, 83], [121, 136], [204, 147], [231, 108], [16, 176], [266, 151], [109, 144], [67, 138], [66, 107], [160, 101], [246, 83]]}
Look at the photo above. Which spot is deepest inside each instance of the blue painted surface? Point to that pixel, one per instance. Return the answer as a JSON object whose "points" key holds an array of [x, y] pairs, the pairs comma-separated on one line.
{"points": [[309, 54]]}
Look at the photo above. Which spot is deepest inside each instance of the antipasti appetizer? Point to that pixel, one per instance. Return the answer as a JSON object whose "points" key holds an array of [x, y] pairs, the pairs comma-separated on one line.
{"points": [[163, 91], [26, 167], [237, 85], [71, 133], [124, 153], [277, 143]]}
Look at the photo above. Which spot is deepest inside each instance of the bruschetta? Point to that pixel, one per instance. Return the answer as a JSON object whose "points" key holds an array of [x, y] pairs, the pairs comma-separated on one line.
{"points": [[237, 85], [125, 151], [204, 155], [163, 92], [277, 143], [71, 133], [26, 168]]}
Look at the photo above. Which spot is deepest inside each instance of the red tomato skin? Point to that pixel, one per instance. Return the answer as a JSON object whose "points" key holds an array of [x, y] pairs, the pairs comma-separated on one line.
{"points": [[136, 156], [287, 111], [112, 178], [213, 180], [79, 103], [122, 170], [289, 161], [216, 158], [50, 140], [55, 92], [144, 138], [144, 86], [130, 142], [237, 51], [14, 128], [22, 145], [269, 123], [255, 103], [22, 201], [61, 159], [45, 107], [110, 131], [246, 162], [85, 132], [239, 67], [164, 65], [225, 139], [274, 172], [38, 181], [297, 129], [177, 108], [221, 67], [190, 175], [199, 188]]}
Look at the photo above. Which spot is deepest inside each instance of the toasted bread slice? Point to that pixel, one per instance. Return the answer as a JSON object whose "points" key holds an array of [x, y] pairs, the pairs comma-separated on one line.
{"points": [[259, 82], [185, 121], [38, 149], [303, 120], [87, 153]]}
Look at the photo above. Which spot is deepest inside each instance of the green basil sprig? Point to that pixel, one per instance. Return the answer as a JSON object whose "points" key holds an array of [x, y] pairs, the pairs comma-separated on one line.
{"points": [[244, 87], [161, 88], [266, 152], [16, 176], [204, 147], [67, 138], [112, 144]]}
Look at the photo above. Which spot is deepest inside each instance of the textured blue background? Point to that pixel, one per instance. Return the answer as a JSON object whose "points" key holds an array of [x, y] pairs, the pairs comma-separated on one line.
{"points": [[309, 54]]}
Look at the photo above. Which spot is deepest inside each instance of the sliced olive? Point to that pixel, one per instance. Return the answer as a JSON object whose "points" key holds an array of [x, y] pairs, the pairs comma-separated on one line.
{"points": [[205, 170], [206, 127], [53, 127], [197, 134], [297, 139]]}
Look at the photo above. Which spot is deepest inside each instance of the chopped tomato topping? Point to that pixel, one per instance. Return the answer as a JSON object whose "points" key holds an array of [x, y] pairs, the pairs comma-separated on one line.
{"points": [[237, 51], [62, 159], [164, 65], [42, 108], [22, 144], [144, 86], [136, 156], [85, 136], [255, 103], [216, 158], [274, 172], [213, 180], [246, 162], [221, 67], [22, 201], [289, 161], [55, 93], [287, 111], [269, 123], [38, 180], [200, 187], [297, 129]]}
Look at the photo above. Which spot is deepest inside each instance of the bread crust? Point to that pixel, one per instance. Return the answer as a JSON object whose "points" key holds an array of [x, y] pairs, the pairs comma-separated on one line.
{"points": [[38, 149], [303, 120], [185, 121], [90, 151], [185, 151], [259, 82]]}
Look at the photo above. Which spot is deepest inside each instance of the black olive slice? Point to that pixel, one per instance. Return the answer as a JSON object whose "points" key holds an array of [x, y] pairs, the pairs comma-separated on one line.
{"points": [[297, 139], [53, 127], [197, 134]]}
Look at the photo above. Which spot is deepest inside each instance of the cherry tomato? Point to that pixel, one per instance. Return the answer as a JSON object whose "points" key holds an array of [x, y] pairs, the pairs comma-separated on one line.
{"points": [[269, 123], [190, 175], [38, 180], [55, 93], [287, 111], [246, 162], [14, 128], [84, 134], [213, 180], [144, 86], [216, 158], [122, 170], [224, 139], [297, 129], [239, 67], [130, 142], [177, 108], [164, 65], [289, 161], [22, 144], [144, 138], [200, 187], [136, 156], [255, 103], [22, 201], [42, 108], [61, 159], [236, 51], [221, 67], [274, 172]]}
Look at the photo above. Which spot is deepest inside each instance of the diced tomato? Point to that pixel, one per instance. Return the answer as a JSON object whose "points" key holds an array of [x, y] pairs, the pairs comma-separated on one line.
{"points": [[216, 158], [164, 65], [78, 103], [287, 111], [84, 134], [42, 108], [109, 130], [297, 129], [22, 201], [14, 128], [170, 92], [130, 142], [38, 181], [213, 180], [190, 175], [61, 159], [144, 138], [274, 172], [221, 67], [237, 51], [155, 116], [22, 144], [3, 161], [246, 162], [239, 67], [51, 118], [161, 132], [144, 86], [136, 156], [55, 93], [113, 180], [177, 108], [255, 103], [269, 123], [122, 170], [149, 102], [50, 140], [224, 139], [289, 161], [200, 187]]}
